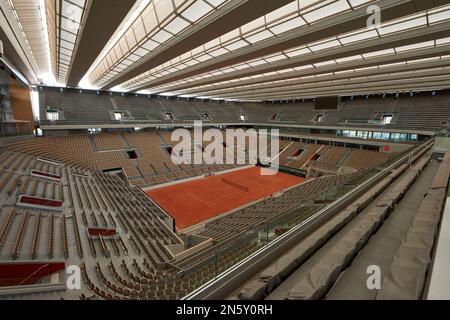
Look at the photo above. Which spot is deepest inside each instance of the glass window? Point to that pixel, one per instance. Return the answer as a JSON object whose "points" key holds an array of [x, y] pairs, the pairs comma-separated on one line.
{"points": [[196, 11], [385, 136], [363, 135], [377, 135]]}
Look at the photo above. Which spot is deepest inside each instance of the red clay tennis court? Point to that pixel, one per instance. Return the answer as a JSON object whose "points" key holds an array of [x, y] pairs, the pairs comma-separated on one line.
{"points": [[195, 201]]}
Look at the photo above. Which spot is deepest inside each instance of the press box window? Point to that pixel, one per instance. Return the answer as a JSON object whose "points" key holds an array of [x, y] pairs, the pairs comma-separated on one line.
{"points": [[52, 115]]}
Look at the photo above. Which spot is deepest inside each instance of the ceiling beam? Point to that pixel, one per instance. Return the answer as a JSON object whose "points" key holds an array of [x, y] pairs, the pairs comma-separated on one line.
{"points": [[15, 47], [443, 85], [354, 80], [231, 16], [349, 87], [396, 40], [281, 89], [300, 77], [339, 24], [103, 19], [11, 55]]}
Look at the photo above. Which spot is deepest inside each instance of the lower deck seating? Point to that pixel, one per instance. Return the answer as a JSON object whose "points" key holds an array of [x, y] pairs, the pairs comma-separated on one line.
{"points": [[153, 164], [364, 159], [300, 156]]}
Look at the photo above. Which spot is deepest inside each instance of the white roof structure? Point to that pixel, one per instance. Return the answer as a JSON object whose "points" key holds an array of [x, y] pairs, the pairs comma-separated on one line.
{"points": [[235, 49]]}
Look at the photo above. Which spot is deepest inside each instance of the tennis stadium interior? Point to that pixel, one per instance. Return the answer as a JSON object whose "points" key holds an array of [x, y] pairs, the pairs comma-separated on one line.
{"points": [[348, 102]]}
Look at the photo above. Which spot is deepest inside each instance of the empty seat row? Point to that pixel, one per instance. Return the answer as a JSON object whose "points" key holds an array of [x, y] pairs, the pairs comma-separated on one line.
{"points": [[76, 108], [407, 275]]}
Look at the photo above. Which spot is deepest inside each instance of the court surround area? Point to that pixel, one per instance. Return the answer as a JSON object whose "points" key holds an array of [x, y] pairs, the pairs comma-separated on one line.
{"points": [[195, 201]]}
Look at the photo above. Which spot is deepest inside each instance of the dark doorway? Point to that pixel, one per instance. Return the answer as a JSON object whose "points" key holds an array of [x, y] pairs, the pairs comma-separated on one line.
{"points": [[132, 154]]}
